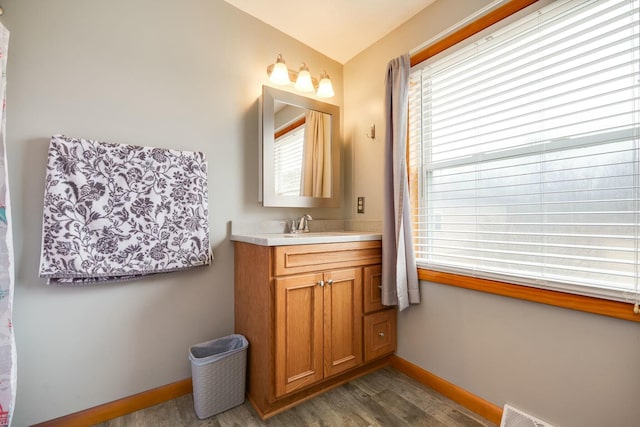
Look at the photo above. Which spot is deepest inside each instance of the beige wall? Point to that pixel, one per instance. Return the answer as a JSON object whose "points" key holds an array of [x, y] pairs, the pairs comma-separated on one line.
{"points": [[566, 367], [183, 75]]}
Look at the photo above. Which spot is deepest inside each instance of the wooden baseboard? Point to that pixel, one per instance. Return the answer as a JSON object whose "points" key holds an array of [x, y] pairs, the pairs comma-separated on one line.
{"points": [[123, 406], [469, 400], [162, 394]]}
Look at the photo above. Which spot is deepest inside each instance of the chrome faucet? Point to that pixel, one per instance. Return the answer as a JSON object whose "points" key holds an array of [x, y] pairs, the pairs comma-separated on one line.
{"points": [[303, 223]]}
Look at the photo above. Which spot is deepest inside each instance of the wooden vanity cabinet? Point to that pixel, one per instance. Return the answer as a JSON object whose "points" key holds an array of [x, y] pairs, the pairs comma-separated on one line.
{"points": [[301, 308]]}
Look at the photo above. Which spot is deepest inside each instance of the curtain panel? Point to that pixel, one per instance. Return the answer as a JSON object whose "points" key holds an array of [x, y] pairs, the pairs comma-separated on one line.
{"points": [[399, 272], [8, 370], [316, 180]]}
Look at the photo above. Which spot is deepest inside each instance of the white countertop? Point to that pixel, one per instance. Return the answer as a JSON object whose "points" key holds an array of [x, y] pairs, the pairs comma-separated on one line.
{"points": [[285, 239]]}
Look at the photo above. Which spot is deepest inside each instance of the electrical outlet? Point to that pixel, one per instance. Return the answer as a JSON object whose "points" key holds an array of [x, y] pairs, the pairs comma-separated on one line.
{"points": [[361, 205]]}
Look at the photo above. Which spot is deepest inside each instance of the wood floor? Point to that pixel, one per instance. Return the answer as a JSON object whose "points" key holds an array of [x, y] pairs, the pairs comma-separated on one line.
{"points": [[383, 398]]}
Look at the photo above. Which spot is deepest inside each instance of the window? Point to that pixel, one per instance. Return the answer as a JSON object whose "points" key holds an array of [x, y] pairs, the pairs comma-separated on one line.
{"points": [[288, 155], [525, 144]]}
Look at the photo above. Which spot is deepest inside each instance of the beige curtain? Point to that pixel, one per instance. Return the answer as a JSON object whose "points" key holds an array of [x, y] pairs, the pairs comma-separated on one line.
{"points": [[316, 167]]}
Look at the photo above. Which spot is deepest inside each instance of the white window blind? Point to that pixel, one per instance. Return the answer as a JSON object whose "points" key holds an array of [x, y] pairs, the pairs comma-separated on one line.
{"points": [[288, 162], [526, 147]]}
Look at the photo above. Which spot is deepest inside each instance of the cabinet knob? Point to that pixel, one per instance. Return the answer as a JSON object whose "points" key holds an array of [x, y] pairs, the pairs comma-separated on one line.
{"points": [[381, 334], [321, 283], [330, 282]]}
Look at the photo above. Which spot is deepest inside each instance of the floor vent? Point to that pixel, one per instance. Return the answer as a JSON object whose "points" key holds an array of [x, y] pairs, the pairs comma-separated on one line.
{"points": [[512, 417]]}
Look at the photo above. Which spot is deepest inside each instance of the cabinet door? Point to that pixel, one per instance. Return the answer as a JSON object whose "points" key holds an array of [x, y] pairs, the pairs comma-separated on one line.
{"points": [[298, 345], [372, 288], [342, 320]]}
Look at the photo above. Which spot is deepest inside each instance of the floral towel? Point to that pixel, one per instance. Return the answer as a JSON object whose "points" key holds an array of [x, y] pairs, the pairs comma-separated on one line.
{"points": [[115, 212]]}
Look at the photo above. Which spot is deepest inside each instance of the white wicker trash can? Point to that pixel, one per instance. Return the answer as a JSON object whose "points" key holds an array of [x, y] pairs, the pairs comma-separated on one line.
{"points": [[218, 371]]}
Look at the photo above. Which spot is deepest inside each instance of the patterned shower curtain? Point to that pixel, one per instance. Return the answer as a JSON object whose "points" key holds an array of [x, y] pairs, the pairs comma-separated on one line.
{"points": [[7, 341]]}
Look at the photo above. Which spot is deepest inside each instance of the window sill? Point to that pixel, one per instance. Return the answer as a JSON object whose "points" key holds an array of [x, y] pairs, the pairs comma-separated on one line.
{"points": [[618, 310]]}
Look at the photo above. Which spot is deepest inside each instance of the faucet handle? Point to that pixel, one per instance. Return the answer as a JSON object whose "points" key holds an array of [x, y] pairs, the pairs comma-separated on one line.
{"points": [[292, 227], [306, 218]]}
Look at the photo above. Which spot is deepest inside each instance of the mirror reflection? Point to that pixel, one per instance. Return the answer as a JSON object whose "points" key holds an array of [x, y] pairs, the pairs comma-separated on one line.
{"points": [[300, 151]]}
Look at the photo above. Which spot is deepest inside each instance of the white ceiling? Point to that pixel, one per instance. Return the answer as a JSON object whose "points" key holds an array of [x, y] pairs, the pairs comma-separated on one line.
{"points": [[339, 29]]}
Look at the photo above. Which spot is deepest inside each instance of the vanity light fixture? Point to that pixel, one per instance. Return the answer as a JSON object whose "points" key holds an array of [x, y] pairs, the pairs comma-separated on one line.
{"points": [[279, 74], [304, 82], [325, 88]]}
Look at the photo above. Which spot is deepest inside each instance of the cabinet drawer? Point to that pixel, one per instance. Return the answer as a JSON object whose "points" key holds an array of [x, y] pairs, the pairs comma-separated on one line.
{"points": [[379, 334], [306, 258], [372, 292]]}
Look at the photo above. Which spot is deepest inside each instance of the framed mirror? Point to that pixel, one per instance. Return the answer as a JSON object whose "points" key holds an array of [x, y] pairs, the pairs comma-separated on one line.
{"points": [[299, 151]]}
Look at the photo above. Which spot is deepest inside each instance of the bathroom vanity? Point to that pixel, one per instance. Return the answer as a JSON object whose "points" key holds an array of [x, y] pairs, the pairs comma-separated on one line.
{"points": [[310, 307]]}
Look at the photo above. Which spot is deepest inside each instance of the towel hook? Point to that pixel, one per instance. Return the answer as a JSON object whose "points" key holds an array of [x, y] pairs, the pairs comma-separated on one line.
{"points": [[372, 132]]}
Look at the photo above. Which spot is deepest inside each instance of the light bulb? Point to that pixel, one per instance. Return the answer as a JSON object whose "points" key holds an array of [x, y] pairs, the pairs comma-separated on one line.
{"points": [[280, 73], [325, 88], [303, 82]]}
